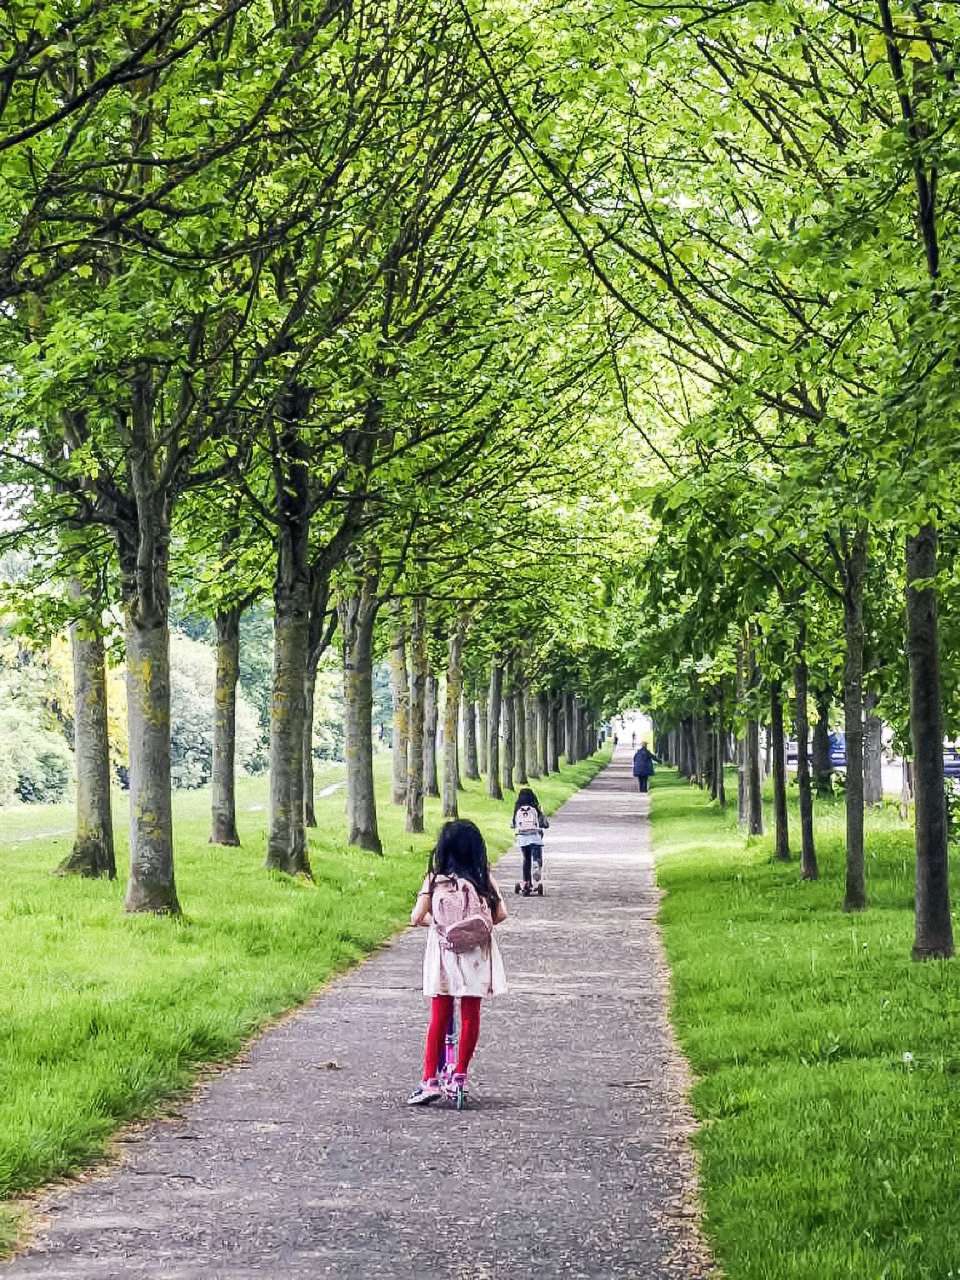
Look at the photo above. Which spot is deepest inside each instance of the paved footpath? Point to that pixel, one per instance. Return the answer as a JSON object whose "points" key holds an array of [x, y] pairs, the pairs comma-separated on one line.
{"points": [[302, 1162]]}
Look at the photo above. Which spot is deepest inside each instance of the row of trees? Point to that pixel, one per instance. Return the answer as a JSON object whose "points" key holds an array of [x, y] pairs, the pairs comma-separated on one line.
{"points": [[767, 195], [284, 314]]}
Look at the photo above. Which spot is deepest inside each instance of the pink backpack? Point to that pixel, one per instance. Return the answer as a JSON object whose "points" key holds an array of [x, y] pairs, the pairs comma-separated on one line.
{"points": [[463, 919], [527, 819]]}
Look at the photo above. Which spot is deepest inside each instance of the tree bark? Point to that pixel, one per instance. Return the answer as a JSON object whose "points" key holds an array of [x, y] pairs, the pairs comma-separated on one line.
{"points": [[906, 788], [855, 567], [508, 746], [872, 753], [483, 700], [431, 786], [358, 614], [543, 733], [418, 683], [309, 712], [553, 735], [471, 760], [494, 708], [534, 757], [286, 840], [720, 761], [822, 768], [400, 690], [809, 869], [151, 886], [743, 791], [451, 713], [753, 785], [520, 735], [143, 544], [224, 769], [778, 764], [319, 634], [934, 932], [570, 727], [93, 849]]}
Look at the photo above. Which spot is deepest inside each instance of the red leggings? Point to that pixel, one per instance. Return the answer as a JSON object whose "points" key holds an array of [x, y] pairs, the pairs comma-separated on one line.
{"points": [[440, 1010]]}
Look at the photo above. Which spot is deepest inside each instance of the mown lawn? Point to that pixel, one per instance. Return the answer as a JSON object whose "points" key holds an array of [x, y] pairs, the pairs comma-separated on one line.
{"points": [[828, 1063], [103, 1014]]}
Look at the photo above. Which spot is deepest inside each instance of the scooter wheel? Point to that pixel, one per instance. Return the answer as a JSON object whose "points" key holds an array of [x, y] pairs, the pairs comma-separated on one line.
{"points": [[539, 890], [516, 887], [460, 1101]]}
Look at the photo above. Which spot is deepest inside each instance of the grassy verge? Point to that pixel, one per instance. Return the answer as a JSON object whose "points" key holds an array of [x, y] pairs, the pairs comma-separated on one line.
{"points": [[828, 1063], [104, 1015]]}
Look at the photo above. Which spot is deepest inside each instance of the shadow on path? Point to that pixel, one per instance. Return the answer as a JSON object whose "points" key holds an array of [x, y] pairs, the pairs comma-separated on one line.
{"points": [[573, 1160]]}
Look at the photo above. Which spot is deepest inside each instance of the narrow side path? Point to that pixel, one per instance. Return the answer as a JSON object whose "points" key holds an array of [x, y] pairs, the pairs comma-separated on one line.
{"points": [[302, 1162]]}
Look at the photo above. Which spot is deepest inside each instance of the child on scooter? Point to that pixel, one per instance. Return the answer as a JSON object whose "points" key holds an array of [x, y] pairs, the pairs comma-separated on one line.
{"points": [[458, 863], [529, 823]]}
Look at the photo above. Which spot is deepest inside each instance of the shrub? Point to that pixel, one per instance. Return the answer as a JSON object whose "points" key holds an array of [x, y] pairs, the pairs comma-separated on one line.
{"points": [[36, 766]]}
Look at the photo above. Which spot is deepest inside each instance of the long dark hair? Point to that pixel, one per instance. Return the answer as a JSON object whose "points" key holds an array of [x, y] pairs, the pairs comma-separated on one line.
{"points": [[460, 851], [526, 796]]}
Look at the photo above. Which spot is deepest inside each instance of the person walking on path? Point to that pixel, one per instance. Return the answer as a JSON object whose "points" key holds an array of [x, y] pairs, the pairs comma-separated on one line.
{"points": [[458, 887], [529, 823], [643, 762]]}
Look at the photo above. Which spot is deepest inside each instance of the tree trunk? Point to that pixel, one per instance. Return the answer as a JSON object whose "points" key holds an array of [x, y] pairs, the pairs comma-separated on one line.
{"points": [[934, 931], [309, 712], [224, 771], [93, 852], [553, 735], [286, 840], [534, 755], [400, 691], [543, 733], [494, 709], [418, 684], [720, 761], [520, 735], [872, 753], [151, 885], [753, 784], [451, 712], [483, 700], [287, 837], [690, 763], [906, 788], [471, 765], [143, 543], [855, 567], [431, 786], [508, 746], [570, 727], [778, 765], [358, 615], [743, 790], [822, 768], [808, 852]]}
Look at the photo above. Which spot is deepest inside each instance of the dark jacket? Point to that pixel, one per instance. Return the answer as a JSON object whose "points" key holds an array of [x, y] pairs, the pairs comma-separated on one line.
{"points": [[643, 762]]}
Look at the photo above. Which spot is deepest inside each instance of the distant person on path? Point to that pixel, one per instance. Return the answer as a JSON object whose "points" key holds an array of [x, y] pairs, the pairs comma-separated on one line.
{"points": [[460, 903], [633, 741], [643, 762], [529, 823]]}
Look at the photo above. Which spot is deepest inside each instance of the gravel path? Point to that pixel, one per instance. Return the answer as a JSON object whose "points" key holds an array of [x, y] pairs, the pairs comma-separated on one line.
{"points": [[302, 1162]]}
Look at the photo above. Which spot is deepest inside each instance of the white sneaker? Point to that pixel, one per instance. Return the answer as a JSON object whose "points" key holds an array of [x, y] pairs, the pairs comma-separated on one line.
{"points": [[426, 1091]]}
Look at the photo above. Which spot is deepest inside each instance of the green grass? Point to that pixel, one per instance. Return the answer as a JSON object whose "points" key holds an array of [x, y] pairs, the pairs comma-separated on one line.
{"points": [[827, 1062], [104, 1015]]}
